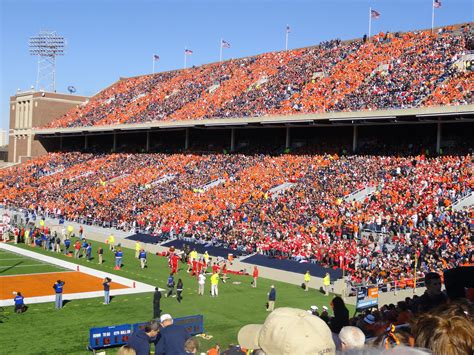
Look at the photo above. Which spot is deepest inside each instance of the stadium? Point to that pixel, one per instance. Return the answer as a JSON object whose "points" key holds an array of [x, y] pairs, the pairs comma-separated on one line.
{"points": [[342, 172]]}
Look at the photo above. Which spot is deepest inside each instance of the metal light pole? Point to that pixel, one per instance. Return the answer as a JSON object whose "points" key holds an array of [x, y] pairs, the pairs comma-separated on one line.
{"points": [[46, 46]]}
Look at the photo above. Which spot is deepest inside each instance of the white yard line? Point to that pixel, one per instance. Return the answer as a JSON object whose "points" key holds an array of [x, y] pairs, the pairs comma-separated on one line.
{"points": [[135, 286]]}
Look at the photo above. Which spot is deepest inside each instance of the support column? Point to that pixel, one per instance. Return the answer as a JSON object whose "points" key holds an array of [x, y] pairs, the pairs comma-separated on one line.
{"points": [[17, 116], [147, 147], [438, 138], [186, 139], [14, 148], [354, 139], [86, 142], [114, 145], [232, 139], [288, 138], [61, 143], [28, 145]]}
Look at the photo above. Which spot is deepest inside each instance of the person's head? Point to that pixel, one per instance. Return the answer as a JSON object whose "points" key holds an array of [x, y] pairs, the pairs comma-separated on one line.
{"points": [[126, 350], [18, 293], [151, 328], [351, 338], [191, 346], [288, 331], [272, 286], [392, 338], [444, 335], [338, 306], [369, 319], [433, 283], [166, 320]]}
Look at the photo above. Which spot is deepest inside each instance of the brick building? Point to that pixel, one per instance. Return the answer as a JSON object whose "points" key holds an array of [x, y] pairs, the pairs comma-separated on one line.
{"points": [[32, 109]]}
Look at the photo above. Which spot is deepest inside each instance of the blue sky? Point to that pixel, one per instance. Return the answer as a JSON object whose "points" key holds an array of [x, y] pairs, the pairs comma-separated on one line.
{"points": [[110, 39]]}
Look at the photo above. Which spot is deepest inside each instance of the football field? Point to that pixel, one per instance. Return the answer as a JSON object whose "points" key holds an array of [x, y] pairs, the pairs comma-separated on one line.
{"points": [[238, 304], [17, 264]]}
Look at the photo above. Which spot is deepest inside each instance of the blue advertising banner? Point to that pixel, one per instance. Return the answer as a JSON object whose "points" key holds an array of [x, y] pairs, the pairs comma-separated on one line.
{"points": [[105, 337]]}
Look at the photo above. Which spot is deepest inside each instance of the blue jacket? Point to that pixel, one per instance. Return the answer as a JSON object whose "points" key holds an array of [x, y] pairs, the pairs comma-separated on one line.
{"points": [[18, 300], [58, 287], [140, 342], [272, 295], [172, 340]]}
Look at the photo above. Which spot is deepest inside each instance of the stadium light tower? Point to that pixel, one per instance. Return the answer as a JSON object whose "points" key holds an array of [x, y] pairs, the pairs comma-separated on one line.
{"points": [[46, 46]]}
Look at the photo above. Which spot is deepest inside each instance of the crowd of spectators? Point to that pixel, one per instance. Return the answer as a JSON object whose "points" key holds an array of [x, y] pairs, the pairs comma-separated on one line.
{"points": [[438, 322], [227, 200], [388, 71]]}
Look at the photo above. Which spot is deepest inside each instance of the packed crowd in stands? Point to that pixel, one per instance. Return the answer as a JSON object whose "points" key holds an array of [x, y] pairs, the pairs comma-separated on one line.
{"points": [[398, 70], [438, 322], [227, 200]]}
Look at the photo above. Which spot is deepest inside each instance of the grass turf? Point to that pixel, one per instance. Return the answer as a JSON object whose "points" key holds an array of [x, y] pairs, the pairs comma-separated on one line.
{"points": [[67, 330], [16, 264]]}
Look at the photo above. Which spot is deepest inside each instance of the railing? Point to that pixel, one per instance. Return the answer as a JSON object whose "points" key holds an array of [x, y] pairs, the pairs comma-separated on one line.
{"points": [[392, 286]]}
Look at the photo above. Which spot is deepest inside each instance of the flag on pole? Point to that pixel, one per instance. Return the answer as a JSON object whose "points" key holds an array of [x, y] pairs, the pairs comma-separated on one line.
{"points": [[225, 44], [437, 4], [156, 57], [374, 14], [188, 51], [288, 29]]}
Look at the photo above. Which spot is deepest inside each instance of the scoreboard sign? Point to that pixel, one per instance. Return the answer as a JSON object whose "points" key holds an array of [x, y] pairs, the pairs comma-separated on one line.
{"points": [[109, 336], [118, 335], [367, 298], [193, 324]]}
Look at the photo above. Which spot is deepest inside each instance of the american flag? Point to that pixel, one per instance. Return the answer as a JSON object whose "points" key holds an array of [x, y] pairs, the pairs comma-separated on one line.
{"points": [[288, 29], [374, 14], [225, 44], [156, 57], [437, 4], [188, 51]]}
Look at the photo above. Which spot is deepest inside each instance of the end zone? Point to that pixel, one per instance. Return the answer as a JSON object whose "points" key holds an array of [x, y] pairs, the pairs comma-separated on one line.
{"points": [[129, 286]]}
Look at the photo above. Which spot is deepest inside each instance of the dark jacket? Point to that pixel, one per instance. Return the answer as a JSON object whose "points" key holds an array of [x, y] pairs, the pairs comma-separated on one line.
{"points": [[156, 298], [172, 340], [272, 295], [140, 342]]}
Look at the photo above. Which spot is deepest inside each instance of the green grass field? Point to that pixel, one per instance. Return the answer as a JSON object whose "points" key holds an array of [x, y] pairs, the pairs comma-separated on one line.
{"points": [[16, 264], [45, 330]]}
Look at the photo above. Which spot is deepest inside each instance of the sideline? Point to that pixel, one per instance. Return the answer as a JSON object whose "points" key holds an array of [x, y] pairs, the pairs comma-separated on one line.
{"points": [[134, 286]]}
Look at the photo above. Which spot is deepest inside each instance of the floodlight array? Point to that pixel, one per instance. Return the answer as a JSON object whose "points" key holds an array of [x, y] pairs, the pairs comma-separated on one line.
{"points": [[47, 45]]}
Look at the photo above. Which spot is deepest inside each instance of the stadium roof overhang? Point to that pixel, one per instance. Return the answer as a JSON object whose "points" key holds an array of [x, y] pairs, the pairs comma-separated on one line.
{"points": [[439, 114]]}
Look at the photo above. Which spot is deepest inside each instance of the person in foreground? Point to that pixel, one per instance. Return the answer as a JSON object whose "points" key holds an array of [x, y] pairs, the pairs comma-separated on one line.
{"points": [[172, 337], [289, 331], [140, 340]]}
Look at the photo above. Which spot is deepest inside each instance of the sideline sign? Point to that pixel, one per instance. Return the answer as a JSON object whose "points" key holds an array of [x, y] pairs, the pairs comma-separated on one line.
{"points": [[367, 298], [105, 337], [118, 335]]}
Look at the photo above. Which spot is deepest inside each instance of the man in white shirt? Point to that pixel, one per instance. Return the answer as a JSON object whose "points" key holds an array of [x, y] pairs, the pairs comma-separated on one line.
{"points": [[201, 283]]}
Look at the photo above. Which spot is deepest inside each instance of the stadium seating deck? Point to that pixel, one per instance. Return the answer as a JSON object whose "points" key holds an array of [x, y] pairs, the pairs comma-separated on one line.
{"points": [[309, 222], [401, 70]]}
